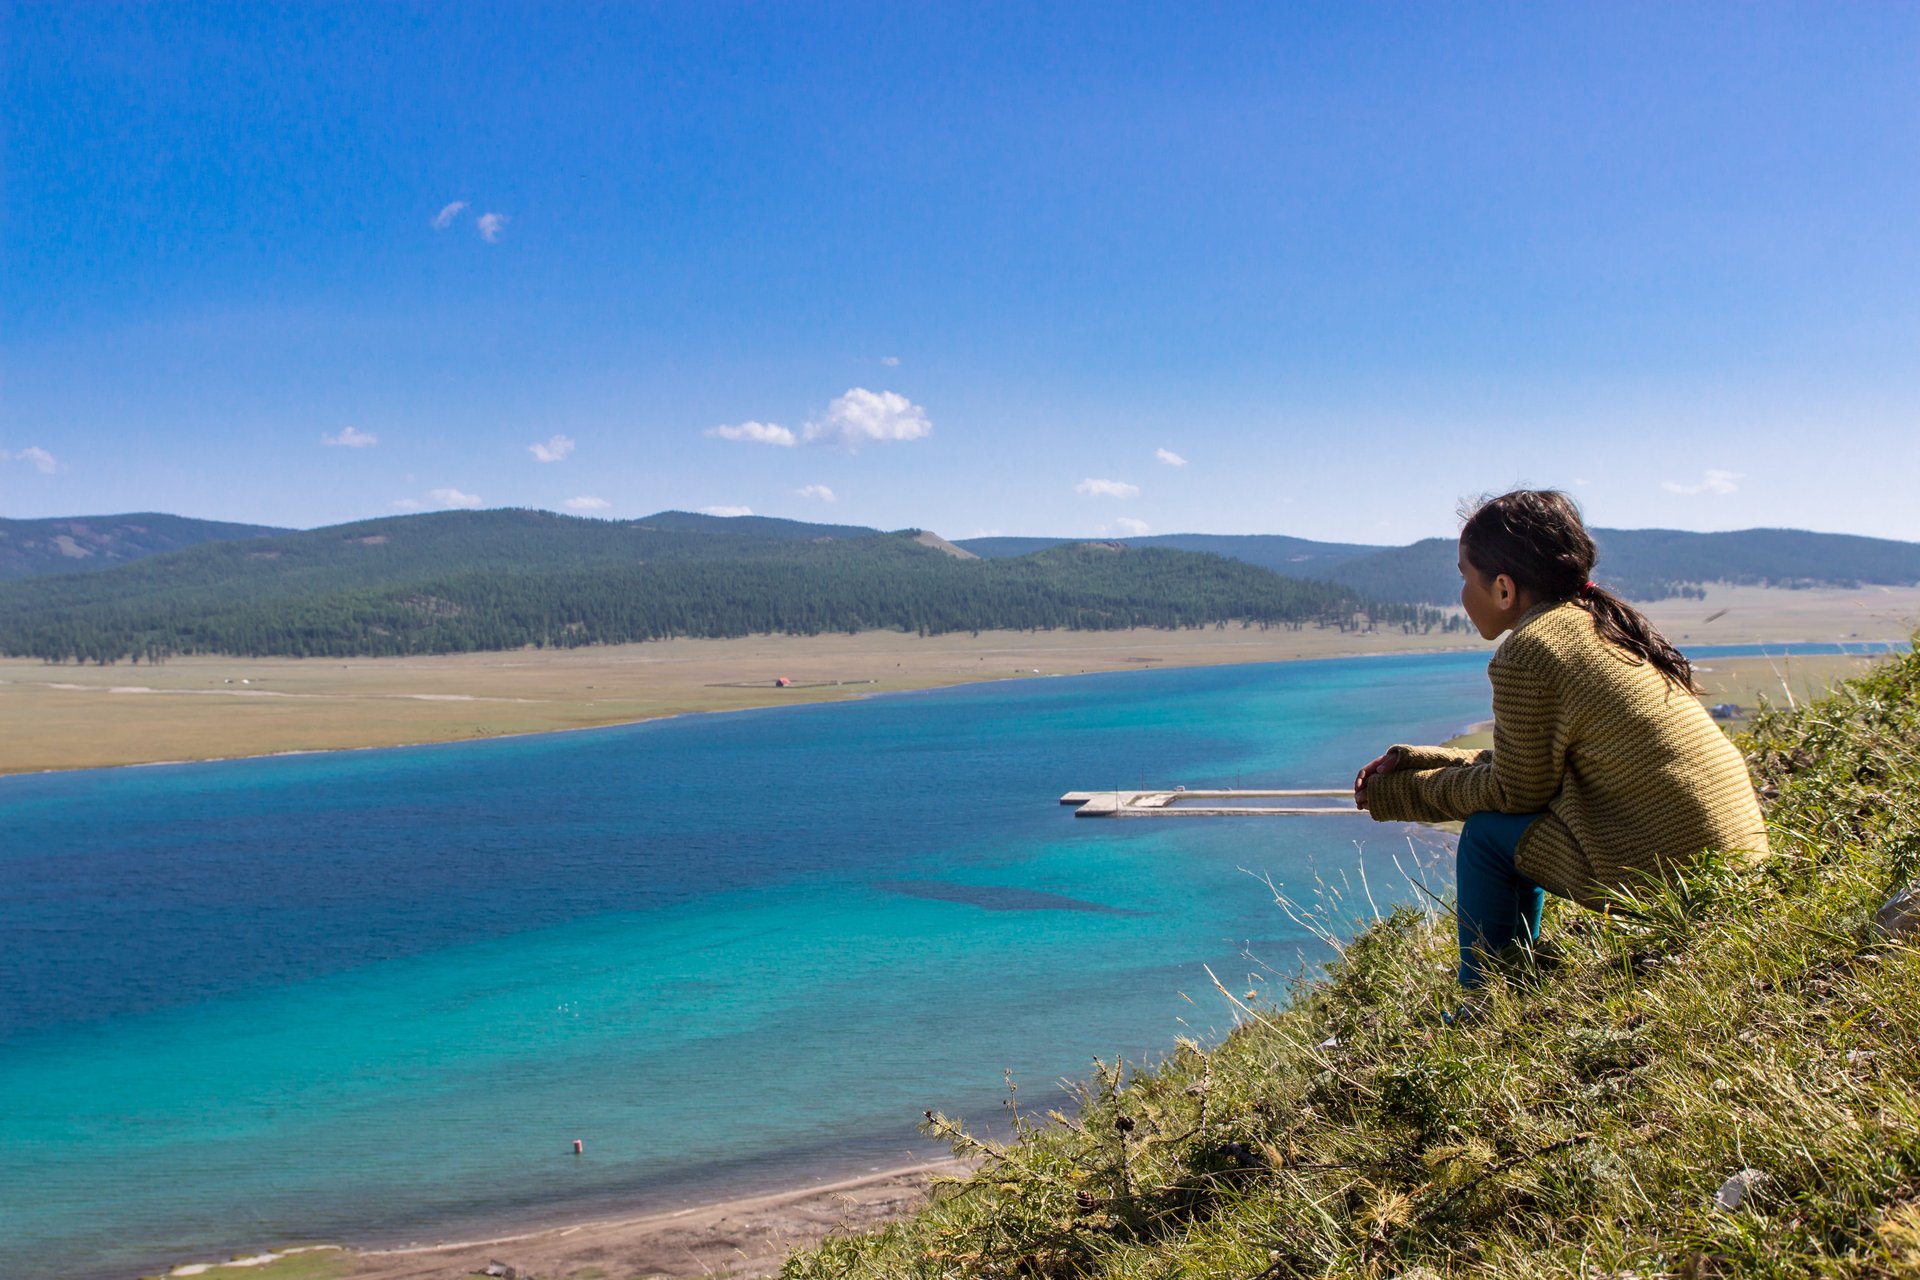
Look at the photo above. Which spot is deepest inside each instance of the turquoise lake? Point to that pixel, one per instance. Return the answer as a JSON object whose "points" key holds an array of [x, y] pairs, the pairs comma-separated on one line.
{"points": [[375, 996]]}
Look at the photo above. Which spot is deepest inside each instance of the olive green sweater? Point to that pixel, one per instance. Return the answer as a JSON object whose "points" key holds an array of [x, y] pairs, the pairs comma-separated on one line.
{"points": [[1635, 779]]}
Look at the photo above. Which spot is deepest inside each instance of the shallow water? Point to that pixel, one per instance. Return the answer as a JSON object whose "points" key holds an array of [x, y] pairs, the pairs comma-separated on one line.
{"points": [[377, 995]]}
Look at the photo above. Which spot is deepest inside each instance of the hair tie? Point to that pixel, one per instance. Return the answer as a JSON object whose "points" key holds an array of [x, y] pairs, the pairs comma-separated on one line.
{"points": [[1588, 588]]}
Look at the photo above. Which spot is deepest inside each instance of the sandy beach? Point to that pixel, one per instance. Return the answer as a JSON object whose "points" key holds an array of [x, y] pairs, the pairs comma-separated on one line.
{"points": [[198, 708], [747, 1236]]}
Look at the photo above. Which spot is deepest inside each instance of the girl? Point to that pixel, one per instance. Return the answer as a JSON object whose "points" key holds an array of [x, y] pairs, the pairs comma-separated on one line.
{"points": [[1605, 771]]}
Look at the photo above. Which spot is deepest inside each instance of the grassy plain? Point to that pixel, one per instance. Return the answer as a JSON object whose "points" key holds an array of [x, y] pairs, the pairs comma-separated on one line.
{"points": [[74, 717]]}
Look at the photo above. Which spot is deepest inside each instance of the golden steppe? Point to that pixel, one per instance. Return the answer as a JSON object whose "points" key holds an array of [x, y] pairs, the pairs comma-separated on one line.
{"points": [[76, 717]]}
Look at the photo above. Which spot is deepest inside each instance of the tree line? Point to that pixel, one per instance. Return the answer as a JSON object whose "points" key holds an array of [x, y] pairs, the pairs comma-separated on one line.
{"points": [[311, 606]]}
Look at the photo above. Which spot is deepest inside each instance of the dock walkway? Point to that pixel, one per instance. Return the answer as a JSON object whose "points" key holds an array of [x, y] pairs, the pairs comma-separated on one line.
{"points": [[1181, 803]]}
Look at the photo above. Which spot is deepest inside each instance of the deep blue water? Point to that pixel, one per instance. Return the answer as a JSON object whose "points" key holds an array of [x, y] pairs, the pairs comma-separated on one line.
{"points": [[376, 995]]}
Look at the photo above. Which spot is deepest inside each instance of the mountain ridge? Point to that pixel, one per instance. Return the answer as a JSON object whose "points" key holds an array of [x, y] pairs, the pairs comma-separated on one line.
{"points": [[460, 581], [1641, 563]]}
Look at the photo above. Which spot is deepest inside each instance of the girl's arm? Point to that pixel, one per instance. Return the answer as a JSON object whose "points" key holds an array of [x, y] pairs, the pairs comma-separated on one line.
{"points": [[1436, 757], [1520, 775]]}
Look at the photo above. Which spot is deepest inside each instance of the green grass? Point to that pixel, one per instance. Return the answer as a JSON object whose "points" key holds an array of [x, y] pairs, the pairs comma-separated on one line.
{"points": [[1748, 1018], [308, 1264]]}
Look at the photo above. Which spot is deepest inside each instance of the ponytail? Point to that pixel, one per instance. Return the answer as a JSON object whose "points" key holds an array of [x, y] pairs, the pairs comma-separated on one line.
{"points": [[1535, 537], [1625, 627]]}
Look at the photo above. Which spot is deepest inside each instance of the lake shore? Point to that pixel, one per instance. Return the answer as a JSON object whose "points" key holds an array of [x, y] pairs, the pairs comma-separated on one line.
{"points": [[743, 1236], [203, 708]]}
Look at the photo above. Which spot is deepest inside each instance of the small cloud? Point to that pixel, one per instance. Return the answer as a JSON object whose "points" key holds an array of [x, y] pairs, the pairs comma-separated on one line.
{"points": [[757, 432], [587, 504], [405, 504], [553, 450], [43, 462], [1169, 457], [452, 498], [1107, 488], [726, 511], [986, 533], [1713, 480], [818, 492], [862, 416], [892, 362], [444, 219], [351, 438], [492, 226], [1131, 527]]}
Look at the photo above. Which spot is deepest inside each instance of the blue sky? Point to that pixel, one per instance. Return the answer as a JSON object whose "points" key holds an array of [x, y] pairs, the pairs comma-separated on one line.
{"points": [[1311, 269]]}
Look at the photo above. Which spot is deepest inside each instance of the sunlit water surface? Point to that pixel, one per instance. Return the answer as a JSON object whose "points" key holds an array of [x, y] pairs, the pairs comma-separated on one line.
{"points": [[377, 995]]}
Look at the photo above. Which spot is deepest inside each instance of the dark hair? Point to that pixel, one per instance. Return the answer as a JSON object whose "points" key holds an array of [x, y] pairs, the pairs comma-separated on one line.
{"points": [[1535, 537]]}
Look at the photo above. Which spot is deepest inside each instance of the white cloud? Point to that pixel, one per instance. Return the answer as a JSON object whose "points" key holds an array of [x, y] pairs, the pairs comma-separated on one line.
{"points": [[1107, 488], [862, 416], [43, 462], [587, 504], [726, 511], [405, 504], [1713, 480], [757, 432], [818, 491], [351, 438], [492, 226], [892, 362], [1131, 527], [444, 219], [453, 498], [1169, 457], [553, 450]]}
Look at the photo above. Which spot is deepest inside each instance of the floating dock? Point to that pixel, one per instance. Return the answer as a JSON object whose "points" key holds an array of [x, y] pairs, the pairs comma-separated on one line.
{"points": [[1181, 803]]}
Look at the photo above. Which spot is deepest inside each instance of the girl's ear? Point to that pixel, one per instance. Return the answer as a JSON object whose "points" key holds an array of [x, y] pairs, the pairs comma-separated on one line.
{"points": [[1505, 590]]}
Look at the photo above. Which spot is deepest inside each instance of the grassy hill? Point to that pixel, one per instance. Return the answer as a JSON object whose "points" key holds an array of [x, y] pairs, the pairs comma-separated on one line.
{"points": [[1748, 1035], [470, 580], [78, 544]]}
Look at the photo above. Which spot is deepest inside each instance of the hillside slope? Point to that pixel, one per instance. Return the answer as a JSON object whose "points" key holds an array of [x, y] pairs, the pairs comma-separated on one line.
{"points": [[1718, 1080], [1642, 564], [1654, 564], [1298, 557], [473, 580], [80, 544]]}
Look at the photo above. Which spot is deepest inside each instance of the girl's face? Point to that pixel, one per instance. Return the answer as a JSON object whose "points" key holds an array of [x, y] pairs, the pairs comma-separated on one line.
{"points": [[1493, 604]]}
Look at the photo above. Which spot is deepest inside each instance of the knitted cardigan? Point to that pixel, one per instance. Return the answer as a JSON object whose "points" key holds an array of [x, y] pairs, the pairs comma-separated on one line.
{"points": [[1634, 778]]}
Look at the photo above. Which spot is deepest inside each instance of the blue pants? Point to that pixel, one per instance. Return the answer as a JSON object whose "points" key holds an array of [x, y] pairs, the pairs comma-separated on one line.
{"points": [[1497, 905]]}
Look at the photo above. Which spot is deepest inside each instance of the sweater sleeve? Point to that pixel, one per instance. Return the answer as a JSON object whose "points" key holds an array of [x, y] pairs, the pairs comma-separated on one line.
{"points": [[1521, 774], [1412, 757]]}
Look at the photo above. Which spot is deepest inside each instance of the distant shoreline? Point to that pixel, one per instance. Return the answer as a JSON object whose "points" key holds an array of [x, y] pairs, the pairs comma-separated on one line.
{"points": [[197, 709], [184, 711]]}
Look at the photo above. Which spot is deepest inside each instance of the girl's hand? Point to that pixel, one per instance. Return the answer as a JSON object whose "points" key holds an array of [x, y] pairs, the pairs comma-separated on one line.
{"points": [[1385, 764]]}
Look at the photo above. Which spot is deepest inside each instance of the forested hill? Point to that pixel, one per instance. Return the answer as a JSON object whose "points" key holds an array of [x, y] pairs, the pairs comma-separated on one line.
{"points": [[1299, 557], [470, 580], [1653, 564], [1642, 564], [75, 544]]}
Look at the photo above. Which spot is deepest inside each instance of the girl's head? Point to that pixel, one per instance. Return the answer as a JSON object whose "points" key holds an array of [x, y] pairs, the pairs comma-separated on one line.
{"points": [[1529, 547]]}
